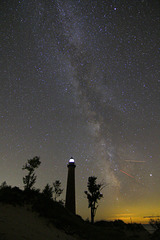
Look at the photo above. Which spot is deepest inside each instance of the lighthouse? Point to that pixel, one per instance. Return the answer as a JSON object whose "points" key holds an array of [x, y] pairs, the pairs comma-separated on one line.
{"points": [[70, 193]]}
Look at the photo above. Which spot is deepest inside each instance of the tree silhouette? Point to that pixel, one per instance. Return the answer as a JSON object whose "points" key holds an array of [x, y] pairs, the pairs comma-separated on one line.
{"points": [[155, 223], [57, 189], [48, 191], [93, 195], [30, 179], [3, 185]]}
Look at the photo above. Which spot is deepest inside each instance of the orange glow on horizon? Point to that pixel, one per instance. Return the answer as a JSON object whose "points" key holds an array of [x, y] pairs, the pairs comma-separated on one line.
{"points": [[139, 213]]}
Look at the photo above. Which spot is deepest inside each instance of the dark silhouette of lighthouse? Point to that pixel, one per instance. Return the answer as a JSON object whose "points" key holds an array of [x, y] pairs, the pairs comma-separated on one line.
{"points": [[70, 193]]}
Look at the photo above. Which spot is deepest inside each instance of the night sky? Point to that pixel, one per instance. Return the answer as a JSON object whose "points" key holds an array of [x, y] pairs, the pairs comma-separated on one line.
{"points": [[82, 78]]}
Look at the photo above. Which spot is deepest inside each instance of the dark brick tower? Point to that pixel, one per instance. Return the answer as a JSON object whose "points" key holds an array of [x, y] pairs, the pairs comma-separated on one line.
{"points": [[70, 193]]}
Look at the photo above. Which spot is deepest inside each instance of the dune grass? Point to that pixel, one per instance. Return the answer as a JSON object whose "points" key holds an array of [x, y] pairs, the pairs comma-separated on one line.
{"points": [[71, 224]]}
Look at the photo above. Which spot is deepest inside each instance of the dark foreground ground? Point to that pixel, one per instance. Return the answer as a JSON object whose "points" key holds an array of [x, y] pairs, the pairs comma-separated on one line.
{"points": [[30, 215]]}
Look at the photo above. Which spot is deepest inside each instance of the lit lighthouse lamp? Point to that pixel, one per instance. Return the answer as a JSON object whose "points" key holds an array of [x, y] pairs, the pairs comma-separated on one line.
{"points": [[71, 160]]}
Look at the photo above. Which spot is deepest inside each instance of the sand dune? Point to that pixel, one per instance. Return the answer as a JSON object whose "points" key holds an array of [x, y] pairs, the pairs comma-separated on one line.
{"points": [[18, 223]]}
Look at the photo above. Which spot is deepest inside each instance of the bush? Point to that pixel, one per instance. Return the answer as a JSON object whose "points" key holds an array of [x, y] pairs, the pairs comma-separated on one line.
{"points": [[12, 196]]}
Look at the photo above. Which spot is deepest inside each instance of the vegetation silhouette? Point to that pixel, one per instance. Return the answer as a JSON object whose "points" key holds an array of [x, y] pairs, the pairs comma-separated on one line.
{"points": [[57, 189], [46, 206], [63, 219], [56, 214], [93, 195], [48, 191], [30, 179], [155, 223]]}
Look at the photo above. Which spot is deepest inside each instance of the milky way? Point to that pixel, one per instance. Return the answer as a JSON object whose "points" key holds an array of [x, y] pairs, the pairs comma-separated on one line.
{"points": [[81, 79]]}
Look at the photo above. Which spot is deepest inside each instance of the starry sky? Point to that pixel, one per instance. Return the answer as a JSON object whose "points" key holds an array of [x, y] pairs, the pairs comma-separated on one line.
{"points": [[81, 78]]}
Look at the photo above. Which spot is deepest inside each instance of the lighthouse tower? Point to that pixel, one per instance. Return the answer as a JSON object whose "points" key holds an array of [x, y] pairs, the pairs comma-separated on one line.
{"points": [[70, 193]]}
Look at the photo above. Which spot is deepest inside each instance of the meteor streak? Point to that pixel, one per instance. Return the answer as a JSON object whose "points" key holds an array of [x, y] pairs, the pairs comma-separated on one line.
{"points": [[135, 161], [134, 178], [127, 174]]}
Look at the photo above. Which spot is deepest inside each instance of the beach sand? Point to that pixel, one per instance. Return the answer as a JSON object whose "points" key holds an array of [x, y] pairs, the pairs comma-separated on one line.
{"points": [[18, 223]]}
